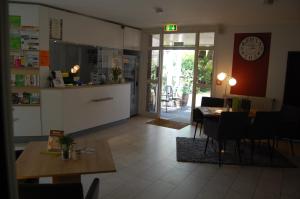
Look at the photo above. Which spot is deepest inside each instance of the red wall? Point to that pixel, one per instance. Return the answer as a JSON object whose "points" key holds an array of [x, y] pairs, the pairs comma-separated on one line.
{"points": [[251, 76]]}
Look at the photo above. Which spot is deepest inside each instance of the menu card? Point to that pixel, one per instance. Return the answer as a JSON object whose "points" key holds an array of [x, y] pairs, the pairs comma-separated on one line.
{"points": [[53, 140]]}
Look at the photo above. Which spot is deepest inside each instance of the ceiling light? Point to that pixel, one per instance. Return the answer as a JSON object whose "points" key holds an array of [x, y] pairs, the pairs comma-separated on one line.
{"points": [[158, 10]]}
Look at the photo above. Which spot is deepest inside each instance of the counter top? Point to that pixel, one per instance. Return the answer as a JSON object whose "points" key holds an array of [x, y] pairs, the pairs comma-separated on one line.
{"points": [[84, 86]]}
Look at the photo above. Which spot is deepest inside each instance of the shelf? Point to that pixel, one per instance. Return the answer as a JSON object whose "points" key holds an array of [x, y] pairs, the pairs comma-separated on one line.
{"points": [[26, 104], [24, 68], [26, 88]]}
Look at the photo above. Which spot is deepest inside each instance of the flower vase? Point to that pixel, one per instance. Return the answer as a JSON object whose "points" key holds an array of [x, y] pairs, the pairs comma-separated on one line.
{"points": [[66, 152]]}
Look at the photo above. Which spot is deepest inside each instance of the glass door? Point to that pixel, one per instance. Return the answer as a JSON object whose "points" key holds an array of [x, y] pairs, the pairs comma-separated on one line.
{"points": [[177, 85], [179, 73], [203, 78]]}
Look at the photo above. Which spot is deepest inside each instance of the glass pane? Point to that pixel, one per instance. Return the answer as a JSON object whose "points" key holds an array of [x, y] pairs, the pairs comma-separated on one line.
{"points": [[205, 68], [155, 40], [153, 71], [177, 84], [179, 39], [207, 39], [152, 89]]}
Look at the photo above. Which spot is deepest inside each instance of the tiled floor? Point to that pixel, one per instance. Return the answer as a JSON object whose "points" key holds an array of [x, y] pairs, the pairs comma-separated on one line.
{"points": [[145, 157]]}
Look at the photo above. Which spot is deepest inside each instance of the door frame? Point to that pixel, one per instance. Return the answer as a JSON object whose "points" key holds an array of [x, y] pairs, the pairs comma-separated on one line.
{"points": [[196, 49]]}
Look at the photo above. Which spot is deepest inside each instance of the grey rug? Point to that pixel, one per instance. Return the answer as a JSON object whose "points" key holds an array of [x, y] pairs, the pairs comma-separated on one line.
{"points": [[190, 150]]}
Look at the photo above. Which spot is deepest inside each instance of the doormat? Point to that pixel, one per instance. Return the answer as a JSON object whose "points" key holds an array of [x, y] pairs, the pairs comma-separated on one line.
{"points": [[168, 123], [190, 150]]}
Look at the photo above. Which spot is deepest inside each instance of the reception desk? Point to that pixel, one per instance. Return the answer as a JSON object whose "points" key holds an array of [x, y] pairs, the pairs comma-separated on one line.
{"points": [[74, 109]]}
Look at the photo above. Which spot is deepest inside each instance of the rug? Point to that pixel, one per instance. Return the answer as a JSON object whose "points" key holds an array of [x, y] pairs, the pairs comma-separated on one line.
{"points": [[168, 123], [190, 150]]}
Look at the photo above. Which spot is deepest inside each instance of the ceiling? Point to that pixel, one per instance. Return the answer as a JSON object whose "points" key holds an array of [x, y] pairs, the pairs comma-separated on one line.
{"points": [[142, 14]]}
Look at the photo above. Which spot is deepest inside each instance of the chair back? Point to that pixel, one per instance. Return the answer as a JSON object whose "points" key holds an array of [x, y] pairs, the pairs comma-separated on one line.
{"points": [[197, 115], [169, 92], [212, 102], [50, 191], [233, 125], [265, 125]]}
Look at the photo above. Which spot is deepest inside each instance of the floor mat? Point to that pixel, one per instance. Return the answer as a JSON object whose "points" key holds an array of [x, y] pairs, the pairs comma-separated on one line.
{"points": [[190, 150], [168, 123]]}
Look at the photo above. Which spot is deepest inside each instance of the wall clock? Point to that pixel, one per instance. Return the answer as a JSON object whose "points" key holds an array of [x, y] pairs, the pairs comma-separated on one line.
{"points": [[250, 63], [251, 48]]}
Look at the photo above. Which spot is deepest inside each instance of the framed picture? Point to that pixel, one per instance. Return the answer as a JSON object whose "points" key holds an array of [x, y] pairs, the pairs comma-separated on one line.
{"points": [[53, 140], [56, 28]]}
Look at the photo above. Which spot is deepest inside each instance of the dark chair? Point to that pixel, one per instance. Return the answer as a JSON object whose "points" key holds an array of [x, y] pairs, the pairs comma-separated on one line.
{"points": [[212, 102], [205, 102], [264, 127], [289, 125], [58, 191], [230, 126]]}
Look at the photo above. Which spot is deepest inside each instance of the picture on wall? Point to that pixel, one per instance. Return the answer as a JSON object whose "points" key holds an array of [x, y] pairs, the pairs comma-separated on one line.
{"points": [[56, 26], [250, 63]]}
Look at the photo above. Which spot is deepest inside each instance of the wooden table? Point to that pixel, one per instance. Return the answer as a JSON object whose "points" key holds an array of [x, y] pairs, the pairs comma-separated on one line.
{"points": [[216, 111], [34, 162]]}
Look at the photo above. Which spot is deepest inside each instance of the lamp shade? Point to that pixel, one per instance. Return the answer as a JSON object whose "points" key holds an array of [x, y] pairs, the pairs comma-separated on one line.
{"points": [[221, 76], [232, 81]]}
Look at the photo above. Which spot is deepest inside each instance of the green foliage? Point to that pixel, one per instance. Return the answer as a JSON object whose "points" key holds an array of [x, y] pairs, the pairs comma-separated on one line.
{"points": [[187, 68], [205, 72]]}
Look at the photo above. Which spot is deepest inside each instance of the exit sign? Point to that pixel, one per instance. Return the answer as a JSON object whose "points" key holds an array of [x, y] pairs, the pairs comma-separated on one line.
{"points": [[170, 27]]}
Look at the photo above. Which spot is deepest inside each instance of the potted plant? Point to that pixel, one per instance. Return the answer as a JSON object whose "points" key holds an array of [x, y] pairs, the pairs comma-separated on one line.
{"points": [[116, 71], [186, 90], [66, 143]]}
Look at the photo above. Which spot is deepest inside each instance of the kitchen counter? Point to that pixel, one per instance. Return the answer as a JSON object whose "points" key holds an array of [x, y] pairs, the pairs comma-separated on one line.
{"points": [[78, 108]]}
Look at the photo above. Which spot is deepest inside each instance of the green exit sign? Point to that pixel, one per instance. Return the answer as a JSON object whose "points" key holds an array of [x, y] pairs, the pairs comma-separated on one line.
{"points": [[170, 27]]}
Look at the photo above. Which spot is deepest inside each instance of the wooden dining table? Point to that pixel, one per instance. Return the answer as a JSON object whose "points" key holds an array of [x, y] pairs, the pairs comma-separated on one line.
{"points": [[35, 162], [216, 111]]}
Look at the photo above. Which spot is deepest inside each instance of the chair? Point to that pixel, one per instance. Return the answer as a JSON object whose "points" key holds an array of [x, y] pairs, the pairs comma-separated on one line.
{"points": [[168, 95], [230, 126], [208, 102], [212, 102], [58, 191], [289, 125], [264, 127]]}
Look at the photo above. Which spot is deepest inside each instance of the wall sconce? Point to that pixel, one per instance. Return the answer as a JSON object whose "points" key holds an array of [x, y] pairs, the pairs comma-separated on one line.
{"points": [[229, 80]]}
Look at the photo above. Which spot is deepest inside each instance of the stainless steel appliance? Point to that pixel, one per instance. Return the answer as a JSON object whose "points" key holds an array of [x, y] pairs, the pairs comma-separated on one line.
{"points": [[131, 65]]}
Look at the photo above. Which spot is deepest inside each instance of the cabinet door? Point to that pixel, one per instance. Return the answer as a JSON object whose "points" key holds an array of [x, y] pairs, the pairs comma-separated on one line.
{"points": [[27, 121], [132, 39]]}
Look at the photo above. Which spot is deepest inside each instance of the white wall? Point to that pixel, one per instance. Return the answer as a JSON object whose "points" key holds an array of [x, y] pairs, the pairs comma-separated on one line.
{"points": [[29, 13], [84, 30], [284, 38]]}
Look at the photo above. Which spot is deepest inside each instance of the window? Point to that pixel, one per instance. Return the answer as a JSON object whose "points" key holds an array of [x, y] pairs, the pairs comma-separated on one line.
{"points": [[179, 39], [207, 39]]}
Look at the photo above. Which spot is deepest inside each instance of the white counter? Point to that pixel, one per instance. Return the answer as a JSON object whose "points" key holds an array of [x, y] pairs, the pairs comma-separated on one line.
{"points": [[79, 108]]}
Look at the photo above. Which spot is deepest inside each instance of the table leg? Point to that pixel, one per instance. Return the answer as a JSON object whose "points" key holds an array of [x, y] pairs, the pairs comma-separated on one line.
{"points": [[66, 179]]}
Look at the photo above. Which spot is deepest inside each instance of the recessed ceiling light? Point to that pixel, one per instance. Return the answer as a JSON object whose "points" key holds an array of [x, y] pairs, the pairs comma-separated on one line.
{"points": [[158, 10], [269, 2]]}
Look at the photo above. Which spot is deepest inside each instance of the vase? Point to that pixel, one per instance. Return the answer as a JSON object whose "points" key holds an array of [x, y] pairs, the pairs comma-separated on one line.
{"points": [[66, 153]]}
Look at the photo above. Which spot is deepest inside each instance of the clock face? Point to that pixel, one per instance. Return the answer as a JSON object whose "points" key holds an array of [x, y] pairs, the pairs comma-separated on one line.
{"points": [[251, 48]]}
